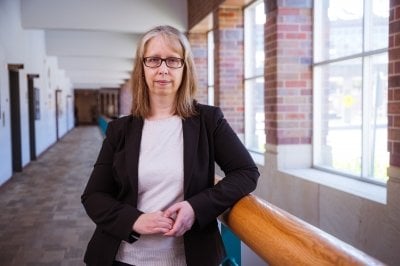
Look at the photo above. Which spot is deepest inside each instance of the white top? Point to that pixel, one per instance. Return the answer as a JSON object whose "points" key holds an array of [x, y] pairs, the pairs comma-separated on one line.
{"points": [[160, 185]]}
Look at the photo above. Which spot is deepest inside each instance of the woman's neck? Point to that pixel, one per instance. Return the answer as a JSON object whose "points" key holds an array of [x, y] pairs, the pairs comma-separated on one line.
{"points": [[161, 109]]}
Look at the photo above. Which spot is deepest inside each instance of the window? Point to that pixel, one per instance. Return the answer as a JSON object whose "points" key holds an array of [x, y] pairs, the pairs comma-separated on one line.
{"points": [[254, 20], [350, 88], [210, 55]]}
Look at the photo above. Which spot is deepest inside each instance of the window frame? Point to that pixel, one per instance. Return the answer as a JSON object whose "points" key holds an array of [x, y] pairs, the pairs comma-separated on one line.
{"points": [[366, 56], [250, 78]]}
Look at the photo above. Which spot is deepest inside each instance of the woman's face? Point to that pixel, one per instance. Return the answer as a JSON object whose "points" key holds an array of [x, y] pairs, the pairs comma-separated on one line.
{"points": [[163, 81]]}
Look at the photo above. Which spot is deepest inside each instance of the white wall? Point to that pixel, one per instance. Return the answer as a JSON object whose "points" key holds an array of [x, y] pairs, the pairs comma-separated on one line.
{"points": [[5, 134], [27, 47]]}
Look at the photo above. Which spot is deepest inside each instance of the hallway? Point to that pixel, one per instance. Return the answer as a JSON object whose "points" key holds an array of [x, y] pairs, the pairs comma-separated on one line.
{"points": [[42, 220]]}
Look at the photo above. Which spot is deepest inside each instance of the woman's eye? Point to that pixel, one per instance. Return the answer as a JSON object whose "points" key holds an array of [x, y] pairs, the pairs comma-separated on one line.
{"points": [[153, 60], [173, 60]]}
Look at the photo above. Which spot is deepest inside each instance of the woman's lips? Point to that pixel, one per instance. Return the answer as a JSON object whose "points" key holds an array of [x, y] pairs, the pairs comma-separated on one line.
{"points": [[163, 82]]}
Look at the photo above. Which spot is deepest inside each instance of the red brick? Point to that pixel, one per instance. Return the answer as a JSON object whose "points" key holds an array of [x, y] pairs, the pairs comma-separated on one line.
{"points": [[395, 94], [288, 140], [295, 83], [394, 53], [306, 92], [396, 148], [391, 40], [301, 36], [288, 11], [307, 28], [397, 13], [287, 108], [394, 81], [393, 134], [288, 124], [295, 116], [288, 27], [395, 160], [391, 121], [394, 122], [306, 140], [271, 137]]}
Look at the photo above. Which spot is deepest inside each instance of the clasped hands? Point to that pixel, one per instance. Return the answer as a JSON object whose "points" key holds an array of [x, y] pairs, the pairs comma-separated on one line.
{"points": [[174, 221]]}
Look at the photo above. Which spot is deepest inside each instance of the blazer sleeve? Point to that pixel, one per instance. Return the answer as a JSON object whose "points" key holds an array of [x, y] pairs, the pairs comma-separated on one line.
{"points": [[241, 173], [100, 195]]}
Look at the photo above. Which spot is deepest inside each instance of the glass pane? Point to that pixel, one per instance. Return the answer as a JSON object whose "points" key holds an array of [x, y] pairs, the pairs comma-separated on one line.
{"points": [[210, 57], [341, 116], [254, 115], [210, 74], [254, 40], [378, 121], [380, 24], [341, 28]]}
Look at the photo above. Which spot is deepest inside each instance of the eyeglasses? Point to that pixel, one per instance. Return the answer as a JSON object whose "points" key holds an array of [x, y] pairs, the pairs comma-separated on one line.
{"points": [[172, 62]]}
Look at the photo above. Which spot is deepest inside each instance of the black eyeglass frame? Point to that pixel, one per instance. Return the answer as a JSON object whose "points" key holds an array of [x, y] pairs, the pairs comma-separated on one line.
{"points": [[182, 61]]}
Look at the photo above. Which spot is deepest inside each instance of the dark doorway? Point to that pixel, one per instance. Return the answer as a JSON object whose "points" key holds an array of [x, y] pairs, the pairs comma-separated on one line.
{"points": [[86, 106], [32, 115], [15, 114]]}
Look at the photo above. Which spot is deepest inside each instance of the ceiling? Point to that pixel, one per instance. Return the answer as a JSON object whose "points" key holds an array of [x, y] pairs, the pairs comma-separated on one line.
{"points": [[95, 40]]}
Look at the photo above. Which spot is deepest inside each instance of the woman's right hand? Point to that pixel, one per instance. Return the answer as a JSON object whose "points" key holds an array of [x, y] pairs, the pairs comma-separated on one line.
{"points": [[153, 223]]}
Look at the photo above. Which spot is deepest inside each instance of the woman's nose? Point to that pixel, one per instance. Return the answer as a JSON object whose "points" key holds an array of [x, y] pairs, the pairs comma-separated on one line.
{"points": [[163, 67]]}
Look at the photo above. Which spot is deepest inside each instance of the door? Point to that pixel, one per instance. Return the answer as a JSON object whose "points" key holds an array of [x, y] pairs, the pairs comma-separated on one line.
{"points": [[32, 114], [15, 114]]}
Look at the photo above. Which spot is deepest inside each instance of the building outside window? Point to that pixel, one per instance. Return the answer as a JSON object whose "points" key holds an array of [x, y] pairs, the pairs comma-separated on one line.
{"points": [[210, 75], [254, 20], [351, 88]]}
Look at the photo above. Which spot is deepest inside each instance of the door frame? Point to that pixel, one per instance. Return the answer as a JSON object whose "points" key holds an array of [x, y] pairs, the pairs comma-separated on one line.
{"points": [[15, 114], [58, 100], [31, 114]]}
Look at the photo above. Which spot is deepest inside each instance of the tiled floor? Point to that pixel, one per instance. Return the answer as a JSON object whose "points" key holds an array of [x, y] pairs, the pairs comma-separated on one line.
{"points": [[42, 221]]}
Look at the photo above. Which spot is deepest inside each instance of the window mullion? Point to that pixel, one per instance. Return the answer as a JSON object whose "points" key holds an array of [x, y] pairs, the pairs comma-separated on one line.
{"points": [[366, 151], [367, 18], [317, 127], [366, 120]]}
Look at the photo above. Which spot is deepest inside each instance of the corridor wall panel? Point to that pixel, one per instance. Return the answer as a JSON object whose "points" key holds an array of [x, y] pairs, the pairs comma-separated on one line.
{"points": [[28, 48], [5, 134]]}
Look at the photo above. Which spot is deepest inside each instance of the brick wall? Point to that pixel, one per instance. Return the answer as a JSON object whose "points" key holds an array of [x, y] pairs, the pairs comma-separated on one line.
{"points": [[198, 42], [125, 99], [228, 68], [288, 78], [394, 84]]}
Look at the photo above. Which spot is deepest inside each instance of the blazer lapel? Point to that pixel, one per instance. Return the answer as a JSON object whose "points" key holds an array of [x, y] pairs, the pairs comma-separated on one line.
{"points": [[190, 128], [132, 146]]}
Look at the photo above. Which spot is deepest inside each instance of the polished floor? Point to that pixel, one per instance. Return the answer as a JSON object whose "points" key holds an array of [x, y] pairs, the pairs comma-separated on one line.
{"points": [[42, 221]]}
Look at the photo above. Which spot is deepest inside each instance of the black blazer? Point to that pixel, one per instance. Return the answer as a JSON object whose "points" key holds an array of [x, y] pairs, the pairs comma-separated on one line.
{"points": [[110, 197]]}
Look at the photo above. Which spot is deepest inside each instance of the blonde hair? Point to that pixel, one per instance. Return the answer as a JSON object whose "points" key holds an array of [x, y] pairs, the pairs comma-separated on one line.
{"points": [[184, 101]]}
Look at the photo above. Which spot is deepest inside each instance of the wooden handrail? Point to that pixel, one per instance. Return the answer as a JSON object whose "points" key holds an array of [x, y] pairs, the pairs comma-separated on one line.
{"points": [[280, 238]]}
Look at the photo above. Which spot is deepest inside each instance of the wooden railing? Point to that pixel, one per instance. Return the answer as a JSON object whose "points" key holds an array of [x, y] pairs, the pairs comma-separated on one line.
{"points": [[280, 238]]}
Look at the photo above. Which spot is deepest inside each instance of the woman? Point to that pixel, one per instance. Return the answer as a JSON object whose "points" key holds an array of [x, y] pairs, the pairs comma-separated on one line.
{"points": [[151, 192]]}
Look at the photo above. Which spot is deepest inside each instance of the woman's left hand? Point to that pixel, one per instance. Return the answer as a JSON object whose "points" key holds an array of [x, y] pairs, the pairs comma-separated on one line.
{"points": [[183, 214]]}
